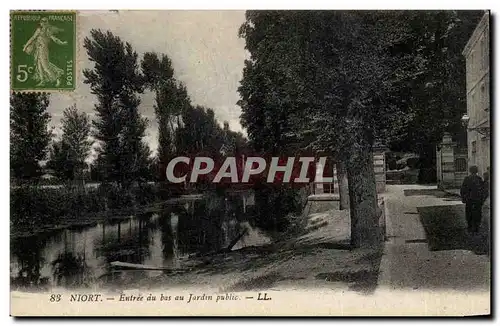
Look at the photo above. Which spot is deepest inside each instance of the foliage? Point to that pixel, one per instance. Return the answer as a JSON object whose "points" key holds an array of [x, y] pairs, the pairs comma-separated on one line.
{"points": [[274, 205], [184, 129], [199, 131], [435, 89], [71, 270], [68, 154], [35, 206], [322, 77], [116, 81], [324, 80], [170, 96], [32, 207], [200, 134], [60, 162], [29, 133], [337, 81], [400, 74]]}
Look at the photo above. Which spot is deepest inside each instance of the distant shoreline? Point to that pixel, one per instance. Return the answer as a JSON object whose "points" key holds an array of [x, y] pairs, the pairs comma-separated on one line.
{"points": [[90, 219]]}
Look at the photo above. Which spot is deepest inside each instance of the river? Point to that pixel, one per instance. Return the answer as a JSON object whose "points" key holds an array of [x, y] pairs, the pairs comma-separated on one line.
{"points": [[81, 257]]}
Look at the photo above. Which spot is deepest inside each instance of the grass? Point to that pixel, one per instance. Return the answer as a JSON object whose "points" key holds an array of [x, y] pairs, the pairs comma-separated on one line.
{"points": [[427, 192], [446, 229]]}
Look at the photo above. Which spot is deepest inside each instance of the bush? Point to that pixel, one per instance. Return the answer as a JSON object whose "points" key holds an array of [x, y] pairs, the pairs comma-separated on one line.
{"points": [[275, 205], [33, 206], [146, 193]]}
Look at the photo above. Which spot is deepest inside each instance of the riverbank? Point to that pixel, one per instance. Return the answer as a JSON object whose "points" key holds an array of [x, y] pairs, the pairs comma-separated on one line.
{"points": [[76, 221], [116, 215], [319, 256], [33, 208]]}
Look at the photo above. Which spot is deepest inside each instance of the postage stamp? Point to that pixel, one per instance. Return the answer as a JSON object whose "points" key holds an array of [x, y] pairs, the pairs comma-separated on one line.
{"points": [[43, 50]]}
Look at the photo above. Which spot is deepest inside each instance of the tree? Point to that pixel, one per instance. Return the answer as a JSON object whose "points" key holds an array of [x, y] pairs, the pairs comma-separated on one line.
{"points": [[170, 97], [59, 161], [336, 81], [29, 133], [235, 141], [119, 128], [324, 78], [68, 154], [435, 90], [134, 152], [200, 131]]}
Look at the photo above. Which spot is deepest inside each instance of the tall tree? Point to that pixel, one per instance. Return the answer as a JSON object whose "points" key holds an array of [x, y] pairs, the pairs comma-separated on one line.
{"points": [[183, 109], [29, 133], [116, 81], [322, 77], [200, 131], [68, 154], [159, 78], [59, 161], [435, 91]]}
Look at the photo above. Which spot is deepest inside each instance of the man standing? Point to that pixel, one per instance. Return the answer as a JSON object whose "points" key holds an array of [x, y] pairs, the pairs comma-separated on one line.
{"points": [[472, 193]]}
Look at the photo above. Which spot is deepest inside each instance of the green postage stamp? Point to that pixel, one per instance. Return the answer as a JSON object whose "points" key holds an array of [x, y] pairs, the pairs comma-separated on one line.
{"points": [[43, 50]]}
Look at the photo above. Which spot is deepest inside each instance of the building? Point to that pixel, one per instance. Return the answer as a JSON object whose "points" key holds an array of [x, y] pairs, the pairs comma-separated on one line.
{"points": [[477, 119]]}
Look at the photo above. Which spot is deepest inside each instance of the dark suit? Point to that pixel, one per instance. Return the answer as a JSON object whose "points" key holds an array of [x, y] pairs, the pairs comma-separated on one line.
{"points": [[472, 193]]}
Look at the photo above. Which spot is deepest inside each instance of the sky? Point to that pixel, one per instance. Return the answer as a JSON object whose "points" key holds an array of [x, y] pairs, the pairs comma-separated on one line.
{"points": [[206, 53]]}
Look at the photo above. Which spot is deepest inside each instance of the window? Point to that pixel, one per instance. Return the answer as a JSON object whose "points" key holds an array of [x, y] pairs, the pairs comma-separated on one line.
{"points": [[474, 146], [328, 188], [460, 165]]}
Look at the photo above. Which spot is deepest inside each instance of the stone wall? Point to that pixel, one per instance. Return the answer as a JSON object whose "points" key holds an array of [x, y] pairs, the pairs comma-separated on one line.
{"points": [[379, 167]]}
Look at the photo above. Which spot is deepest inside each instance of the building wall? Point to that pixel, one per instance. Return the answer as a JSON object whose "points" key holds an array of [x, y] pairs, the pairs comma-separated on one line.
{"points": [[477, 56]]}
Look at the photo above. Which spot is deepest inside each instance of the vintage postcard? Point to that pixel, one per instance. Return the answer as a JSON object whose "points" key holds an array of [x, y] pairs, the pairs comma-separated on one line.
{"points": [[250, 163]]}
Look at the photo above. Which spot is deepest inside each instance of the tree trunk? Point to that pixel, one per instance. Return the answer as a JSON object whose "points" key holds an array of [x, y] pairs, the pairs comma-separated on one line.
{"points": [[343, 186], [365, 231]]}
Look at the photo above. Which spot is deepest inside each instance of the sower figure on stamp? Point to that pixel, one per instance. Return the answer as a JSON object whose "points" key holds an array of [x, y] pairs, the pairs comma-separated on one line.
{"points": [[38, 46], [472, 193]]}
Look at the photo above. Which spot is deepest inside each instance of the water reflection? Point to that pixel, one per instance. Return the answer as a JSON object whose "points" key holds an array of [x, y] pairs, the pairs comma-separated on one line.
{"points": [[29, 257], [71, 270], [79, 257]]}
